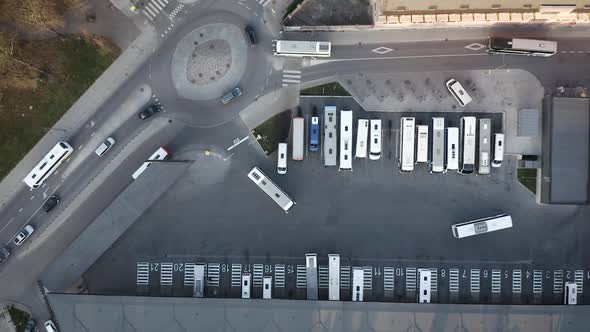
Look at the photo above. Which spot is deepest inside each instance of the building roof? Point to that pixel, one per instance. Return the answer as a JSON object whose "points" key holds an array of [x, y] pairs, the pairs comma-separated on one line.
{"points": [[146, 314], [566, 146]]}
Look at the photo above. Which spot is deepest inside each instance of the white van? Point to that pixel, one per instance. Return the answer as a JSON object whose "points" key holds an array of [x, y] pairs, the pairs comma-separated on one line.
{"points": [[282, 159], [375, 144], [456, 89], [498, 150]]}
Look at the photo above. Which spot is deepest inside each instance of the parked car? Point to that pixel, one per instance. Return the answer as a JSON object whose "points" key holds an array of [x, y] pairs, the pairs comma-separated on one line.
{"points": [[149, 111], [51, 203], [30, 327], [50, 326], [104, 146], [23, 235], [251, 35], [230, 96], [4, 253]]}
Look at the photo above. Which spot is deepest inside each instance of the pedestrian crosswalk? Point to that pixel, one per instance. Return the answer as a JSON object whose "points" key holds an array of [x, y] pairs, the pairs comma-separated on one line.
{"points": [[236, 275], [143, 273], [175, 11], [280, 275], [517, 281], [496, 281], [291, 77], [189, 274], [410, 279], [153, 8], [344, 277], [213, 274], [323, 276], [474, 280], [166, 274], [537, 282], [388, 278]]}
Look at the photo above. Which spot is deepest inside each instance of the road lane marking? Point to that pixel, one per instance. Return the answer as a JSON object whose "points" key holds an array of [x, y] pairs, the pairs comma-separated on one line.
{"points": [[32, 197], [401, 57], [579, 279], [213, 274], [20, 210], [344, 277], [236, 143], [301, 277]]}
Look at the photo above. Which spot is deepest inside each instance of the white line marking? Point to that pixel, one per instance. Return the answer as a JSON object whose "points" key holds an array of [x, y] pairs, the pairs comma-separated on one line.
{"points": [[292, 71], [237, 143], [291, 76], [285, 84], [20, 210], [155, 3], [32, 197], [154, 14], [8, 223], [291, 81], [227, 158]]}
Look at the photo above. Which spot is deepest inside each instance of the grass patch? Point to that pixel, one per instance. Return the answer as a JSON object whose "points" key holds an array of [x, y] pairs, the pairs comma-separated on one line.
{"points": [[19, 318], [273, 131], [292, 7], [328, 89], [27, 111], [528, 178]]}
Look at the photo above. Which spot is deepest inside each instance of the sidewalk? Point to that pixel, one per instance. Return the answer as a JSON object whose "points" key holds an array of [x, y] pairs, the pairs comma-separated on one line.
{"points": [[88, 104]]}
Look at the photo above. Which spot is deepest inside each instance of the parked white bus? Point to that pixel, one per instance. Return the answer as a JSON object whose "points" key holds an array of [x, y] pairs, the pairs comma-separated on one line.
{"points": [[271, 189], [358, 280], [481, 226], [457, 91], [437, 163], [160, 154], [56, 156], [570, 294], [425, 276], [311, 269], [407, 135], [375, 144], [298, 48], [521, 46], [246, 285], [345, 141], [298, 137], [452, 149], [467, 146], [498, 150], [330, 136], [267, 287], [484, 146], [334, 277], [362, 132], [422, 150]]}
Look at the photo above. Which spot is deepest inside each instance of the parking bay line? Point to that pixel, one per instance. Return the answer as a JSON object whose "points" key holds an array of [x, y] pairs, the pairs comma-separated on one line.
{"points": [[237, 143]]}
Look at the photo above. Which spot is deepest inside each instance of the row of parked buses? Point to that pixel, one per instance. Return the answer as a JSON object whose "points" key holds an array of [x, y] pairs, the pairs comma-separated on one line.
{"points": [[447, 149]]}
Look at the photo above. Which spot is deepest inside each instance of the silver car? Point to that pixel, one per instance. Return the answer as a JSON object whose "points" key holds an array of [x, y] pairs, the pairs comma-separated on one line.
{"points": [[104, 146], [23, 235], [230, 96]]}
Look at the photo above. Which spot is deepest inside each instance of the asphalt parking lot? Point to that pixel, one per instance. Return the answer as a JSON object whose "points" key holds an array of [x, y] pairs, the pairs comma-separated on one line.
{"points": [[374, 216]]}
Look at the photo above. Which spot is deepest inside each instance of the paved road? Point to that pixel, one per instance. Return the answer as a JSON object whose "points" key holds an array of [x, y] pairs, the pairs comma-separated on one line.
{"points": [[214, 126]]}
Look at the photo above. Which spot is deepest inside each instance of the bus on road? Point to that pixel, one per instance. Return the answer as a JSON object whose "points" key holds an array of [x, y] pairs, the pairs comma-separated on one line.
{"points": [[467, 146], [481, 226], [271, 189], [56, 156], [297, 48], [406, 147], [521, 46]]}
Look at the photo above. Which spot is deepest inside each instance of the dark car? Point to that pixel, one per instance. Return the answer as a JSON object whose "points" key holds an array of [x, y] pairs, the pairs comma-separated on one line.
{"points": [[4, 253], [230, 96], [30, 327], [149, 111], [51, 203], [251, 35]]}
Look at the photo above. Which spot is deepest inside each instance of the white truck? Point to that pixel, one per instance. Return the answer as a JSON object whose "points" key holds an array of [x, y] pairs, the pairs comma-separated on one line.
{"points": [[298, 137]]}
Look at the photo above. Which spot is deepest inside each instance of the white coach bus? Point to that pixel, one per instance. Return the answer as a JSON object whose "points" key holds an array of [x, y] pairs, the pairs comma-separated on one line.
{"points": [[484, 146], [425, 276], [362, 132], [299, 48], [422, 150], [330, 138], [358, 281], [334, 277], [467, 146], [452, 149], [48, 164], [437, 164], [375, 145], [345, 141], [481, 226], [406, 147], [521, 46], [271, 189]]}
